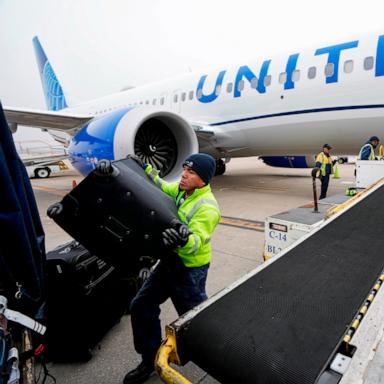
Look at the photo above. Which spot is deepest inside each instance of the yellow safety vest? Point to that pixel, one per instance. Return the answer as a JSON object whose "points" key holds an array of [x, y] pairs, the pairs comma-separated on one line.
{"points": [[200, 212], [371, 155], [381, 150], [324, 160]]}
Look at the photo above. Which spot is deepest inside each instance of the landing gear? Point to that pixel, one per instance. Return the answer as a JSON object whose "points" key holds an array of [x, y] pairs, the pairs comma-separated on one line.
{"points": [[220, 167]]}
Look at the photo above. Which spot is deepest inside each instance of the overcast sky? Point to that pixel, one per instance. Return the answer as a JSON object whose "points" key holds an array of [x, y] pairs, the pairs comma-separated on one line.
{"points": [[100, 46]]}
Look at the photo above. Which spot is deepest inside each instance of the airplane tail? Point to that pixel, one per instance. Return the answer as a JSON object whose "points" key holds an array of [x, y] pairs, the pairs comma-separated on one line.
{"points": [[53, 92]]}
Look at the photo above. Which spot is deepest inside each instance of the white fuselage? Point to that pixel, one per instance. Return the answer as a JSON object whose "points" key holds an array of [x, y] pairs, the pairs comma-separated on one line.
{"points": [[295, 114]]}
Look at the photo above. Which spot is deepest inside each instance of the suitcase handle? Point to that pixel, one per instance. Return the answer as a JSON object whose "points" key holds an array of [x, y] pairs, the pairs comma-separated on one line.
{"points": [[116, 228]]}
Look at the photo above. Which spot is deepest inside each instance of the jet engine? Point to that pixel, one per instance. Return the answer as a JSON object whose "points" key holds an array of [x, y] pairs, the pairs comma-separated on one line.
{"points": [[159, 137]]}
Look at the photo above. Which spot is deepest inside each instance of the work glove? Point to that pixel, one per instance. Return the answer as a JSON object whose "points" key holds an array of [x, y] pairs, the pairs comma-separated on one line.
{"points": [[316, 173], [173, 238], [137, 160], [104, 167], [54, 210]]}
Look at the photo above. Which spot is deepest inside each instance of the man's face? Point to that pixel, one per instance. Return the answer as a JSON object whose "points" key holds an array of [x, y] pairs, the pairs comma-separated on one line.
{"points": [[326, 150], [375, 143], [190, 180]]}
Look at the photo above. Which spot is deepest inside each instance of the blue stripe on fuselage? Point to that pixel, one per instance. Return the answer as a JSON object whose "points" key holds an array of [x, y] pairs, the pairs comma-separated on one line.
{"points": [[300, 112]]}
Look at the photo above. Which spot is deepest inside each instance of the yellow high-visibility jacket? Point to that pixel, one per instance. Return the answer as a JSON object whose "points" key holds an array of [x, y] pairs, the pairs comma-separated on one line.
{"points": [[367, 152], [199, 211], [324, 163]]}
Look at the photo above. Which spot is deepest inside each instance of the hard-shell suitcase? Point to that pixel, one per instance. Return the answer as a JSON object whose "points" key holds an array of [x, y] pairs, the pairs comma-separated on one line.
{"points": [[119, 216], [85, 298]]}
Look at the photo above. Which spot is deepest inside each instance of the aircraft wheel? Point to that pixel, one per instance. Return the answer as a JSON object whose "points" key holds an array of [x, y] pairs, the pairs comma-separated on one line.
{"points": [[220, 167], [42, 173]]}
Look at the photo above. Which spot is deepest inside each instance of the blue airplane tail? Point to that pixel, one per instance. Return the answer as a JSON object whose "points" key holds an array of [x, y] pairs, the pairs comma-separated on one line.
{"points": [[53, 92]]}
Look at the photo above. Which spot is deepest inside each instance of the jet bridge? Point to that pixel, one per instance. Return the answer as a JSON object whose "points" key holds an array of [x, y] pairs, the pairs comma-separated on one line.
{"points": [[293, 319]]}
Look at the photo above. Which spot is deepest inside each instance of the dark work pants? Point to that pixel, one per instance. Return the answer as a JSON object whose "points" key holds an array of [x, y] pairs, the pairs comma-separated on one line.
{"points": [[324, 186], [170, 279]]}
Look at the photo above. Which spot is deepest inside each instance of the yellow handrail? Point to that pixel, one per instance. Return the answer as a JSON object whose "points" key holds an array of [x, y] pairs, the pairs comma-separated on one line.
{"points": [[168, 353]]}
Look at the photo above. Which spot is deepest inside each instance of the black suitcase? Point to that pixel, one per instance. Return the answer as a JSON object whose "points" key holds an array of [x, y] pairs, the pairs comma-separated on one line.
{"points": [[85, 298], [120, 216]]}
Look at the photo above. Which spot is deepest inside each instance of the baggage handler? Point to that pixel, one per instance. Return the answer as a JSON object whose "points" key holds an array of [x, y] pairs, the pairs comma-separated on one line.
{"points": [[181, 274], [367, 151], [325, 165]]}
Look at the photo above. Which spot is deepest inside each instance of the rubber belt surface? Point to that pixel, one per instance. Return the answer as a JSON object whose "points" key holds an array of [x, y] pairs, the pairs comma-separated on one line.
{"points": [[283, 324]]}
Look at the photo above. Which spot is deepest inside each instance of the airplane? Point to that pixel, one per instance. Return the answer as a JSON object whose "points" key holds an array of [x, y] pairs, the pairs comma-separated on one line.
{"points": [[282, 109]]}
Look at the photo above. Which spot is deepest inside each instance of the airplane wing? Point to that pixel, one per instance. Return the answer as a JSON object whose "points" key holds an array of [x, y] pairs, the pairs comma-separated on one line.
{"points": [[59, 121]]}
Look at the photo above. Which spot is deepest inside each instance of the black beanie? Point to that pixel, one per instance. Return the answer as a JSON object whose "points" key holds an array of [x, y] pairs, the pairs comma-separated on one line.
{"points": [[204, 165]]}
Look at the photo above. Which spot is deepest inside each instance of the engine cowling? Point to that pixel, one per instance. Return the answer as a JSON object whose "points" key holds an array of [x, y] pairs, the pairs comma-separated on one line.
{"points": [[289, 161], [159, 137]]}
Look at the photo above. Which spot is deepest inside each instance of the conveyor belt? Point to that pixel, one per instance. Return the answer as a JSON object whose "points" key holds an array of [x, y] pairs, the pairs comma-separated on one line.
{"points": [[284, 323]]}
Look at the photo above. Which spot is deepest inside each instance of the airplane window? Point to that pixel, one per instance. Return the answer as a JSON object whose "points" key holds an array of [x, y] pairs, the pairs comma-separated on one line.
{"points": [[199, 94], [154, 102], [240, 85], [254, 82], [296, 75], [267, 80], [147, 102], [329, 69], [141, 102], [348, 66], [162, 101], [218, 90], [229, 87], [175, 98], [282, 77], [190, 95], [311, 72], [183, 96], [368, 63]]}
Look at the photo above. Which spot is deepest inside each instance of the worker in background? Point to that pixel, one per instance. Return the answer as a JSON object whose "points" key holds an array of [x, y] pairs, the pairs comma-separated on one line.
{"points": [[367, 151], [381, 151], [325, 166], [182, 272]]}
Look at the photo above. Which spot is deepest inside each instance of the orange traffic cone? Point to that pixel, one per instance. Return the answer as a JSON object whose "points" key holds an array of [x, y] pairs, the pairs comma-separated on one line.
{"points": [[336, 174]]}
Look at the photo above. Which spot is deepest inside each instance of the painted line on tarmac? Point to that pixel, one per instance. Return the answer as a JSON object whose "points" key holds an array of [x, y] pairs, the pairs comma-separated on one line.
{"points": [[225, 220], [54, 191], [252, 225], [248, 187]]}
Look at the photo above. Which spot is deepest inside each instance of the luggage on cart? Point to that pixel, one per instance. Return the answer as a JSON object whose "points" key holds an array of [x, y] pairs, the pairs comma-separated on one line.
{"points": [[118, 217], [85, 298]]}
